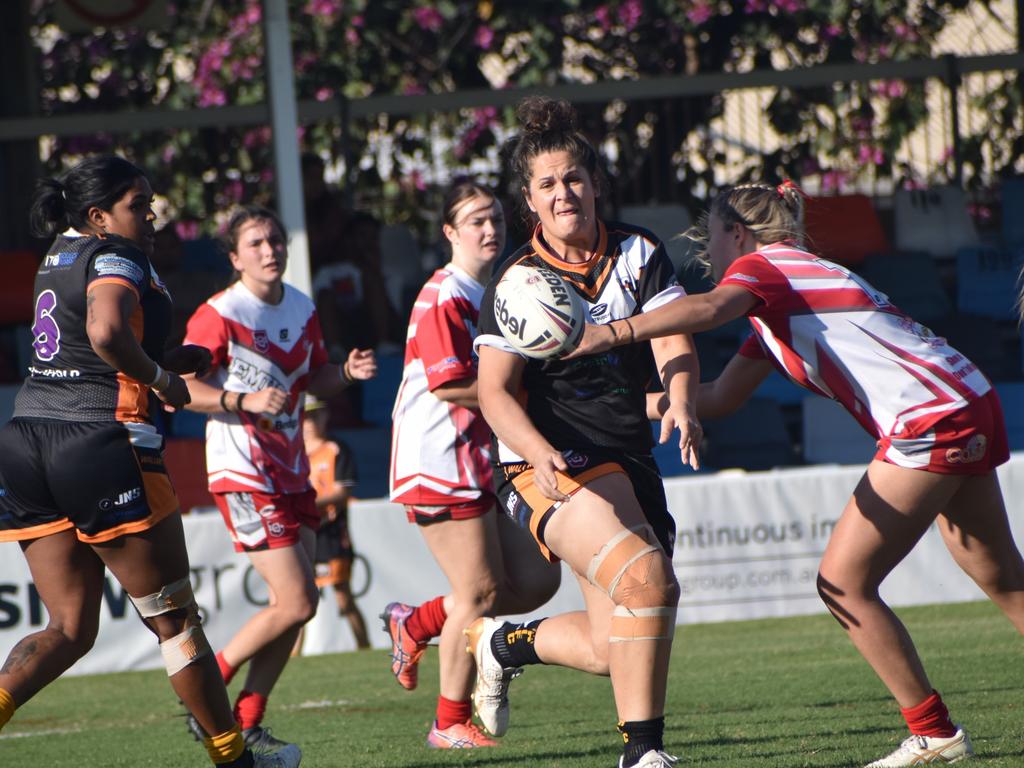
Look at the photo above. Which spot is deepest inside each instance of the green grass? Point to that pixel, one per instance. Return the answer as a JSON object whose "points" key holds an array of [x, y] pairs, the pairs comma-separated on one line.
{"points": [[780, 693]]}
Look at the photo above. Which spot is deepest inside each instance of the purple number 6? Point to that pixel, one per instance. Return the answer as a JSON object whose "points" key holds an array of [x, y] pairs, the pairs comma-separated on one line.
{"points": [[45, 328]]}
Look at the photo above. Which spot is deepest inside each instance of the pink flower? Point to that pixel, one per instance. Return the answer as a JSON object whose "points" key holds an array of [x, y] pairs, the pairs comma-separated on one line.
{"points": [[428, 18], [630, 13], [415, 180], [212, 96], [603, 17], [832, 181], [169, 153], [323, 94], [413, 89], [357, 21], [325, 9], [257, 137], [351, 36], [484, 37], [868, 154], [896, 89], [904, 31], [234, 190], [699, 13], [756, 6], [187, 230], [832, 31], [789, 6], [254, 13]]}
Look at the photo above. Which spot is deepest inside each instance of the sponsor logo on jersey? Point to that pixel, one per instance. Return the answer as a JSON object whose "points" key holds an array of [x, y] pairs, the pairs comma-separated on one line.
{"points": [[598, 311], [252, 377], [260, 341], [743, 277], [60, 260], [118, 266], [282, 335], [55, 373], [576, 460], [444, 365], [970, 453]]}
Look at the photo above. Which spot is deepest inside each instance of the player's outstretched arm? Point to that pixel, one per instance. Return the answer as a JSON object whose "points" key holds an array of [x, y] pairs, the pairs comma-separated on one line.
{"points": [[732, 388]]}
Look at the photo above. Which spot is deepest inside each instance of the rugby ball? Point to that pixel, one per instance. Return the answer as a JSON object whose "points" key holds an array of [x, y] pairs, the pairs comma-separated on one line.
{"points": [[538, 313]]}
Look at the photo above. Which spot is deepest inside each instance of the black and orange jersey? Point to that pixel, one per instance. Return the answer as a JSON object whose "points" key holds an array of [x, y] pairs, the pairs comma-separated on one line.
{"points": [[596, 401], [67, 380]]}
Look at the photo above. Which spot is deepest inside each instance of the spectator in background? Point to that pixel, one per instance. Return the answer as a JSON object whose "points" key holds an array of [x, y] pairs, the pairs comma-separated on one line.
{"points": [[267, 351], [332, 472], [188, 289], [326, 213]]}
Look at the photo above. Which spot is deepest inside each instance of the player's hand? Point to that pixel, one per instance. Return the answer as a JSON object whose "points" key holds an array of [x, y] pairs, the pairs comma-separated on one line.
{"points": [[175, 395], [271, 401], [188, 358], [595, 339], [545, 466], [690, 432], [361, 364]]}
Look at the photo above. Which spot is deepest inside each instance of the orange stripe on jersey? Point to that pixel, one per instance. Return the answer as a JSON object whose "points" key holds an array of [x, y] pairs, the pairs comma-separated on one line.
{"points": [[589, 277], [115, 281], [161, 500], [36, 531], [132, 395]]}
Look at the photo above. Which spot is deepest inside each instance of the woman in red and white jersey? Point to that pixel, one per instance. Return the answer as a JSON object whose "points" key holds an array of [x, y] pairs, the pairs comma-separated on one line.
{"points": [[441, 473], [268, 351], [938, 423]]}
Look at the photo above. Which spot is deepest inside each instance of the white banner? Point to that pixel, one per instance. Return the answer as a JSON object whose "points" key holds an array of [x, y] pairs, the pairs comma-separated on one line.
{"points": [[747, 546]]}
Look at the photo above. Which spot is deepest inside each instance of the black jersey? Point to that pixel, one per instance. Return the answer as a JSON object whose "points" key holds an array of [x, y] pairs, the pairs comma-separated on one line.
{"points": [[596, 401], [67, 380]]}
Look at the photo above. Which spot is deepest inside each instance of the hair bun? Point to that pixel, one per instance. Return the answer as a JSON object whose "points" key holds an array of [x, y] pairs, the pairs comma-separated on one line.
{"points": [[539, 114]]}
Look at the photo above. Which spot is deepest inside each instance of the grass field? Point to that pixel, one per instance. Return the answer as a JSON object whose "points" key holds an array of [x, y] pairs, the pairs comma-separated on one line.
{"points": [[780, 693]]}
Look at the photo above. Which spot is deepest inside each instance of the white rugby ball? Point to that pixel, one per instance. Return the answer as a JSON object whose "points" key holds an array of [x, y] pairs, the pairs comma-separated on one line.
{"points": [[538, 313]]}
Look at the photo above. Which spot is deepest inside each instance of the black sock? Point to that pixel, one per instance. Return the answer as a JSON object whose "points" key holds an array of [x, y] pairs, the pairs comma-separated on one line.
{"points": [[639, 737], [513, 644], [244, 760]]}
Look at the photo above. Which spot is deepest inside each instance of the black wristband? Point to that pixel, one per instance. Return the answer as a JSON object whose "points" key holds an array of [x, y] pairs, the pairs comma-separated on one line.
{"points": [[223, 405], [238, 402]]}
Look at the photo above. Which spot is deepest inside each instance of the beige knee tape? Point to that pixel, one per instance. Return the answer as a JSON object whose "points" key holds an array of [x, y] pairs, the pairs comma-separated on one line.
{"points": [[185, 648], [629, 624], [608, 566], [175, 595]]}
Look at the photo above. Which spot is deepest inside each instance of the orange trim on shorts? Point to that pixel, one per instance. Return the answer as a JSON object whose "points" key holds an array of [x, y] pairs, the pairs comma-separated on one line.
{"points": [[162, 503], [541, 504], [132, 395], [339, 572], [36, 531]]}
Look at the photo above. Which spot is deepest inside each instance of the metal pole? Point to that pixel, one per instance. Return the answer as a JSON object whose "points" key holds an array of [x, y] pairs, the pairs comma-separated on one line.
{"points": [[952, 79], [284, 124]]}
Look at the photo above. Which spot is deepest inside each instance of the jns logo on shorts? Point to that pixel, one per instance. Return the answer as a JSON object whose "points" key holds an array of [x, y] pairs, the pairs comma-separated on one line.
{"points": [[127, 497], [970, 453]]}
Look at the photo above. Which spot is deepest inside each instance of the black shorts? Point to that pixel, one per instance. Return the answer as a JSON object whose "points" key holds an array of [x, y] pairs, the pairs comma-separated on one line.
{"points": [[332, 541], [519, 498], [58, 475]]}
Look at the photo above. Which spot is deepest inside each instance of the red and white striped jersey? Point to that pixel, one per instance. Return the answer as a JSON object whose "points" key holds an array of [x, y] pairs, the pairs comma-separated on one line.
{"points": [[440, 452], [257, 345], [837, 336]]}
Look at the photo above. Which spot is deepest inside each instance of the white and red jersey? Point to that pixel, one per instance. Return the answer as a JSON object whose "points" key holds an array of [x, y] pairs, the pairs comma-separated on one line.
{"points": [[440, 452], [257, 345], [837, 336]]}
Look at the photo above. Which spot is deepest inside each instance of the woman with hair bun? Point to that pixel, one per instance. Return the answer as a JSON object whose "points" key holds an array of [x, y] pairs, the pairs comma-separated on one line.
{"points": [[572, 445], [81, 464], [936, 417], [441, 474]]}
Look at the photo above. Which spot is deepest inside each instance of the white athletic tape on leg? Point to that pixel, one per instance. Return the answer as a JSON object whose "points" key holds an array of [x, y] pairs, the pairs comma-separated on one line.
{"points": [[642, 624], [184, 649], [175, 595]]}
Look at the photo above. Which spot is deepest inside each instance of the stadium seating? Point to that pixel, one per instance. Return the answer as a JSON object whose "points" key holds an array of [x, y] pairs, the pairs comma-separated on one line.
{"points": [[933, 220], [185, 458], [1013, 211], [911, 281], [371, 448], [666, 222], [753, 438], [379, 394], [983, 340], [987, 280], [844, 229], [832, 436], [1011, 395]]}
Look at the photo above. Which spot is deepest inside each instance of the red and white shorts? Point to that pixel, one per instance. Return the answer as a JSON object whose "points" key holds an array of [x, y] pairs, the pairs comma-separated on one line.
{"points": [[425, 514], [971, 441], [259, 521]]}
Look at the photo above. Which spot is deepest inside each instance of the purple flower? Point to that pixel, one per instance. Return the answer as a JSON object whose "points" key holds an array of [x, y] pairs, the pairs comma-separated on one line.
{"points": [[630, 13], [413, 89], [187, 230], [869, 154], [484, 37], [833, 181], [756, 6], [832, 31], [603, 17], [699, 13], [234, 190], [323, 94], [789, 6], [325, 9], [428, 18], [212, 96]]}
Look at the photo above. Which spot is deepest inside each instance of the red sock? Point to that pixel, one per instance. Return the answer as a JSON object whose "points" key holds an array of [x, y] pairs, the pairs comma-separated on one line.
{"points": [[249, 709], [451, 712], [929, 718], [226, 670], [426, 620]]}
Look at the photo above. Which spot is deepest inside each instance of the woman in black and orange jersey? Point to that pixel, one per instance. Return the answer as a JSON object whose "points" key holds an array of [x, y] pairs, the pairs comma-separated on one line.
{"points": [[268, 351], [573, 445], [81, 464]]}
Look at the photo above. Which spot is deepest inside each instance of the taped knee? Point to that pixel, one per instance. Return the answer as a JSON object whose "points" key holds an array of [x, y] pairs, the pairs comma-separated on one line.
{"points": [[174, 596], [609, 566], [184, 648], [629, 624]]}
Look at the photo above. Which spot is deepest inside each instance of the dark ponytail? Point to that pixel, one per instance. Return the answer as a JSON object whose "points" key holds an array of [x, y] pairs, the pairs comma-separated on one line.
{"points": [[96, 182]]}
